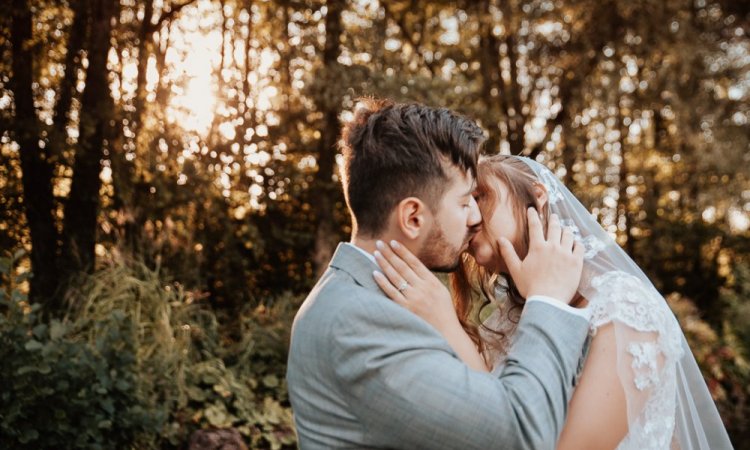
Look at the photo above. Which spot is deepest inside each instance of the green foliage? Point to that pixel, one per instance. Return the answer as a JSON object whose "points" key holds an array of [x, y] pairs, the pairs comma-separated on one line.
{"points": [[240, 384], [724, 362], [138, 363], [60, 391]]}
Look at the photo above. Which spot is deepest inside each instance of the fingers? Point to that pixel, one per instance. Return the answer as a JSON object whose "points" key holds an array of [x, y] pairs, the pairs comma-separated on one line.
{"points": [[554, 229], [568, 239], [396, 262], [394, 268], [512, 261], [536, 233], [412, 261], [388, 288], [578, 250]]}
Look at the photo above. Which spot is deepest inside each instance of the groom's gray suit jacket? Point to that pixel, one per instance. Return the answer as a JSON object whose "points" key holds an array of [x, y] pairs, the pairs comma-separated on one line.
{"points": [[365, 372]]}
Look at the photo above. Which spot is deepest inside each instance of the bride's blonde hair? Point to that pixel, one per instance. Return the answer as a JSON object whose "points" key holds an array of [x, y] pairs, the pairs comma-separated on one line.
{"points": [[520, 181]]}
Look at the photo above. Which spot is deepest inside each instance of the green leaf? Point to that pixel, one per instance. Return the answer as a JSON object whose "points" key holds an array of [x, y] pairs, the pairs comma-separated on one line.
{"points": [[216, 415], [39, 330], [271, 381], [5, 265], [25, 369], [122, 385], [44, 368], [47, 391], [56, 330], [196, 393], [19, 253], [28, 436], [222, 390], [33, 345]]}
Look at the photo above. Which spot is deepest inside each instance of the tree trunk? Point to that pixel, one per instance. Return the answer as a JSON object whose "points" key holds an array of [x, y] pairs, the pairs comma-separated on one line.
{"points": [[35, 165], [326, 236], [67, 90], [248, 114], [623, 205], [285, 68], [490, 71], [82, 207], [516, 118], [144, 51]]}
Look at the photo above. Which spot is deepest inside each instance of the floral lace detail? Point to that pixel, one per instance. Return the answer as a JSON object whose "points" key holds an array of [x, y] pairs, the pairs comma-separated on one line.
{"points": [[591, 243], [625, 300], [653, 428], [550, 183], [645, 355]]}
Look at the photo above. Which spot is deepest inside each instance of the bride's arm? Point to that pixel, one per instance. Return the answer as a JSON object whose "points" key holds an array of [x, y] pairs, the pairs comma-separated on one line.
{"points": [[598, 410], [427, 297]]}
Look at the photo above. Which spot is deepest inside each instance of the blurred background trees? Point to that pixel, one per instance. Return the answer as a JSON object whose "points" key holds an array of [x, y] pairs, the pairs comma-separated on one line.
{"points": [[196, 140]]}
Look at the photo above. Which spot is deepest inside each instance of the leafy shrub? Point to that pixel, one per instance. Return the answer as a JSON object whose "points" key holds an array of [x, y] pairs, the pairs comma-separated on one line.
{"points": [[139, 362], [58, 390], [723, 362]]}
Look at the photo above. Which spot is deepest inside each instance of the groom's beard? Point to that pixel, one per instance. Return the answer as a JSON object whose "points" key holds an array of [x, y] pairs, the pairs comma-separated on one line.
{"points": [[438, 254]]}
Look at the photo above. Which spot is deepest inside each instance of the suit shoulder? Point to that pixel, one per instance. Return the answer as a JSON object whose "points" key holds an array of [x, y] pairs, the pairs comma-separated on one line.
{"points": [[337, 298]]}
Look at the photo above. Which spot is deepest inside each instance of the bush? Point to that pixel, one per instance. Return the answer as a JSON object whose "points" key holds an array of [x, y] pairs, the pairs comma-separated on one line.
{"points": [[58, 390], [723, 362], [139, 362]]}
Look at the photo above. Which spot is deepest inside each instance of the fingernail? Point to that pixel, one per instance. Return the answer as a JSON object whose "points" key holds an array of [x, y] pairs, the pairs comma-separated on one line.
{"points": [[379, 244], [377, 254], [376, 274], [394, 244]]}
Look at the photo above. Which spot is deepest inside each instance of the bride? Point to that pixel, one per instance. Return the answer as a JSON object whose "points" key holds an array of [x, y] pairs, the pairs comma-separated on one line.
{"points": [[640, 387]]}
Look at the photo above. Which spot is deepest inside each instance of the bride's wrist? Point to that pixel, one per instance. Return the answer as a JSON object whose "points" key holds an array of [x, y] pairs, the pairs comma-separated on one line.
{"points": [[448, 324]]}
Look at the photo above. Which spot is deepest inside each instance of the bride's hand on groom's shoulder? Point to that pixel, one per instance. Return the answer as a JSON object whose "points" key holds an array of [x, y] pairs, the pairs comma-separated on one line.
{"points": [[410, 284], [407, 281], [553, 265]]}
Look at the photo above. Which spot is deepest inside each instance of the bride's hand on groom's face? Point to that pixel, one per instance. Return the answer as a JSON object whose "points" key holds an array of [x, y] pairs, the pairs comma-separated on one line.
{"points": [[553, 264], [407, 281]]}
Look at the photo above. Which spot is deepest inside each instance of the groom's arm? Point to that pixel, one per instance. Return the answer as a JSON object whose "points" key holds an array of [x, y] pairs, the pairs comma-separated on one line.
{"points": [[410, 391]]}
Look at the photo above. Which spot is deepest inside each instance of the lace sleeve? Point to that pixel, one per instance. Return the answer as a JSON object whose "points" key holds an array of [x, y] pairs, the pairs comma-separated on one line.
{"points": [[648, 347]]}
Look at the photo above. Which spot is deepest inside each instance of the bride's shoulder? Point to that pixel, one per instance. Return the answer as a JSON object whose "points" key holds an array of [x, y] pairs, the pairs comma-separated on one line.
{"points": [[624, 298]]}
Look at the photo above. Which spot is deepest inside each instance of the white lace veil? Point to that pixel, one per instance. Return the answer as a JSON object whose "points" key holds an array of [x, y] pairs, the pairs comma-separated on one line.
{"points": [[668, 402]]}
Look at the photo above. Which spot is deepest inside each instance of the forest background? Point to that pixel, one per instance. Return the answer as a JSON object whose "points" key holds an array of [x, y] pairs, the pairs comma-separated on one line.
{"points": [[169, 186]]}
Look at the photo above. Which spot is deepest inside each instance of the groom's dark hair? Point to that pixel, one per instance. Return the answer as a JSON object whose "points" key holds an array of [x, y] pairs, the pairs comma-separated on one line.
{"points": [[394, 151]]}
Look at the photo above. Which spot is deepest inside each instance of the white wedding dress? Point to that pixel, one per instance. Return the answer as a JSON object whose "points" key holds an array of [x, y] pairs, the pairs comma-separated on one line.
{"points": [[668, 403]]}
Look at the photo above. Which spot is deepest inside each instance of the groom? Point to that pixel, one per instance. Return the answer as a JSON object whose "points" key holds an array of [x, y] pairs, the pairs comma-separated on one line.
{"points": [[365, 372]]}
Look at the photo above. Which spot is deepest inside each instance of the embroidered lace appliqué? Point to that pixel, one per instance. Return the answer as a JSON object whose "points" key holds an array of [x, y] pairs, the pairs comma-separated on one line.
{"points": [[645, 356], [624, 299], [591, 243], [550, 183]]}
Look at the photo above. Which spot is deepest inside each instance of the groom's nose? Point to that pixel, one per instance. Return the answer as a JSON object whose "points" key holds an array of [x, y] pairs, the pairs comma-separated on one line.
{"points": [[475, 216]]}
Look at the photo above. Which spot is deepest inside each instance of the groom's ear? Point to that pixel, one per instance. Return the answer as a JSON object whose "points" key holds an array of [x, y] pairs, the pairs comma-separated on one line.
{"points": [[411, 217]]}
